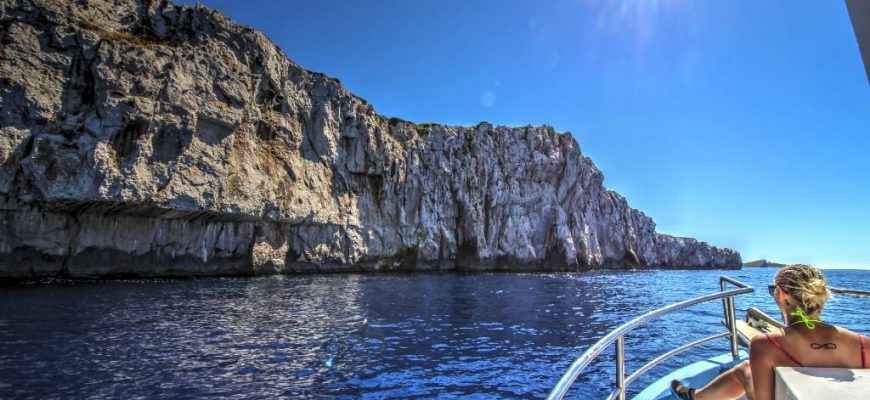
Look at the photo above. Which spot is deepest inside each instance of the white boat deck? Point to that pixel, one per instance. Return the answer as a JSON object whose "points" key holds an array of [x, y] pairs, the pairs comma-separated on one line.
{"points": [[803, 383]]}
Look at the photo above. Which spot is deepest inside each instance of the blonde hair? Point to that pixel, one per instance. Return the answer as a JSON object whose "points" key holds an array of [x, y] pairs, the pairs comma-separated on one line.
{"points": [[806, 285]]}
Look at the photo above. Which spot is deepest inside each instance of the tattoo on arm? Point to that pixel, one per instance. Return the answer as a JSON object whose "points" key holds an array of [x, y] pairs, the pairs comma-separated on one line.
{"points": [[825, 346]]}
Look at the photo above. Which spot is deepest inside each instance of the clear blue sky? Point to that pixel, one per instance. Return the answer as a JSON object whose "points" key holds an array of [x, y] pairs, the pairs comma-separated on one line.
{"points": [[742, 123]]}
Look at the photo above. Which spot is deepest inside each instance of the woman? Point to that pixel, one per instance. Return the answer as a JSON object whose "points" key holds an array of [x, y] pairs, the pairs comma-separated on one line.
{"points": [[800, 292]]}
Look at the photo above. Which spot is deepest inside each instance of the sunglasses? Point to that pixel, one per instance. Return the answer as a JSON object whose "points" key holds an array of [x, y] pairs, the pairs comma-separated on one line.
{"points": [[771, 289]]}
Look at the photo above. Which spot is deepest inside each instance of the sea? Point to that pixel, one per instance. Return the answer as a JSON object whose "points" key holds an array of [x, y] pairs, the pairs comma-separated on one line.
{"points": [[362, 336]]}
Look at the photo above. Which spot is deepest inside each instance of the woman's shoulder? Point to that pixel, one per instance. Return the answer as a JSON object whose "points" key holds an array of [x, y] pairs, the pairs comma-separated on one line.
{"points": [[763, 341], [848, 333], [762, 348], [767, 337]]}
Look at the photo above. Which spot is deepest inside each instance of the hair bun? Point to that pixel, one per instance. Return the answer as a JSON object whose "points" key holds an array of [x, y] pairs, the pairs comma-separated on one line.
{"points": [[819, 286], [806, 285]]}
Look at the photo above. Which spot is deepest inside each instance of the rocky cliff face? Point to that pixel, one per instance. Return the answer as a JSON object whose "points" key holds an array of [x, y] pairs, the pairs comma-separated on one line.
{"points": [[142, 138]]}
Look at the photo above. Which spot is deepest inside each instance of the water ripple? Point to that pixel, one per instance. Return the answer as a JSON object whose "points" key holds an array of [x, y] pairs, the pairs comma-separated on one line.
{"points": [[481, 336]]}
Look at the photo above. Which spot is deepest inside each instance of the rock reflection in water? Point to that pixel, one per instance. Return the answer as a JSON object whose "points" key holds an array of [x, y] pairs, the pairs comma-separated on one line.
{"points": [[353, 336]]}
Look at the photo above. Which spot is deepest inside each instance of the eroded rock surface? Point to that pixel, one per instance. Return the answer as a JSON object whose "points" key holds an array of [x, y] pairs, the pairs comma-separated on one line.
{"points": [[143, 138]]}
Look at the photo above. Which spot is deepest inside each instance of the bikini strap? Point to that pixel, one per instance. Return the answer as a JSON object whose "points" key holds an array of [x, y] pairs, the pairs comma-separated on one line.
{"points": [[863, 352], [784, 351]]}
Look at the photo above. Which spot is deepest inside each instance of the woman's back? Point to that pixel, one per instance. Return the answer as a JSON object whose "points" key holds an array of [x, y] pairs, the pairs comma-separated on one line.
{"points": [[825, 346]]}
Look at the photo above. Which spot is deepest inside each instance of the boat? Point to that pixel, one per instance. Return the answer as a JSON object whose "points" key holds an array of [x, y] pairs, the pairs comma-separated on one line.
{"points": [[792, 383]]}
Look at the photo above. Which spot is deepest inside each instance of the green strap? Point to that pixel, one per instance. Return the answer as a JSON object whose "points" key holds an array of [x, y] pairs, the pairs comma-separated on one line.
{"points": [[805, 319]]}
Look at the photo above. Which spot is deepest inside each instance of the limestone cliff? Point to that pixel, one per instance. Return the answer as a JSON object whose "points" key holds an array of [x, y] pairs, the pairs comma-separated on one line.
{"points": [[142, 138]]}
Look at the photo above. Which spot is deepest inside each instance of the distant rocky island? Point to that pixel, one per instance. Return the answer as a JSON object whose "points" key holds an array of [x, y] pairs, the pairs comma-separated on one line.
{"points": [[762, 264], [142, 139]]}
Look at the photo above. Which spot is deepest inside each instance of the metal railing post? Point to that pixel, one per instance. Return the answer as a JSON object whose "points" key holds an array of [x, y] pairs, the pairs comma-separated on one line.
{"points": [[620, 367], [725, 313], [732, 326]]}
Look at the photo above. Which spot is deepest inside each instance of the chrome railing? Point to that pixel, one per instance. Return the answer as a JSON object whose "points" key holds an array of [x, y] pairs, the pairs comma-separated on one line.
{"points": [[849, 292], [618, 336], [728, 311]]}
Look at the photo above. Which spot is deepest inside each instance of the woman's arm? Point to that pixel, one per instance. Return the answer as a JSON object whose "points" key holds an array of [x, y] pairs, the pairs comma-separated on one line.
{"points": [[762, 367]]}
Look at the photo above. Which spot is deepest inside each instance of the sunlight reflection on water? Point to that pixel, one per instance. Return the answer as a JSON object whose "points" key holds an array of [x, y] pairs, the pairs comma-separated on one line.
{"points": [[355, 336]]}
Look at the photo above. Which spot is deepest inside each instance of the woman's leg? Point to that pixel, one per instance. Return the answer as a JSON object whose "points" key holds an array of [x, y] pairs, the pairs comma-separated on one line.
{"points": [[731, 384]]}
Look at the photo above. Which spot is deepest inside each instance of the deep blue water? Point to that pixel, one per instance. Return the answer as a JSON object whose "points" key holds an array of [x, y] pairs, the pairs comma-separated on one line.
{"points": [[357, 336]]}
